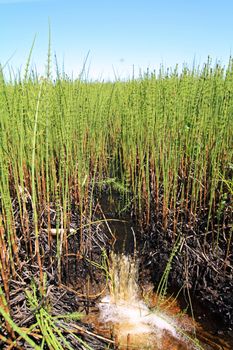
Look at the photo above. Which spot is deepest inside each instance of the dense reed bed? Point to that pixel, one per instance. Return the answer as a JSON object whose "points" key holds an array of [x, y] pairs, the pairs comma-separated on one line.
{"points": [[163, 140]]}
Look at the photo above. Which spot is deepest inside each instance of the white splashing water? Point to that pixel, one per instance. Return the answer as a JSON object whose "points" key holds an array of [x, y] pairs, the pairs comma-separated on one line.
{"points": [[124, 307], [138, 316]]}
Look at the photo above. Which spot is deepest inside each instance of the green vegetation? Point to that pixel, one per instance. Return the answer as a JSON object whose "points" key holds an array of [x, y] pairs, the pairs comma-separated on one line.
{"points": [[163, 139]]}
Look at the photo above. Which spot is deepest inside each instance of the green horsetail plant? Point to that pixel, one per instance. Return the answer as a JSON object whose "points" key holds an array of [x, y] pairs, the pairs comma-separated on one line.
{"points": [[34, 194], [160, 141], [120, 131], [51, 327]]}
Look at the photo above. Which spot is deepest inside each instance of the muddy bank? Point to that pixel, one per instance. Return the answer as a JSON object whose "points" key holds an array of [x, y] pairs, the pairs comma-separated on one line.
{"points": [[199, 267]]}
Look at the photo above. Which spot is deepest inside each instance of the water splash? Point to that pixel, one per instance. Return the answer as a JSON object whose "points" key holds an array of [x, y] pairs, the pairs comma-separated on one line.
{"points": [[124, 308]]}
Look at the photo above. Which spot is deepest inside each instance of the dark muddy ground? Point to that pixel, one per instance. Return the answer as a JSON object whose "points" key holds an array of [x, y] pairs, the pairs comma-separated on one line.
{"points": [[80, 284], [198, 269], [203, 272]]}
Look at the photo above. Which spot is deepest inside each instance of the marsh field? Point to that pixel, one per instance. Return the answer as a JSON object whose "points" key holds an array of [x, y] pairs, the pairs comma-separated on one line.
{"points": [[82, 160]]}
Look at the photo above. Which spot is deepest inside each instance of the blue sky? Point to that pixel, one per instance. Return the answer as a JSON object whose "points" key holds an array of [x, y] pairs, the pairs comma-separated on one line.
{"points": [[118, 34]]}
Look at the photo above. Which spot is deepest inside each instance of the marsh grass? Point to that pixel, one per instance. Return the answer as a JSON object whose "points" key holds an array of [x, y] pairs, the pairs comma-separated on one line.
{"points": [[163, 138]]}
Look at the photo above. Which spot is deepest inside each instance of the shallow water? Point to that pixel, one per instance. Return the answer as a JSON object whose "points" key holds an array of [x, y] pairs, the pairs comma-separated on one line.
{"points": [[135, 325]]}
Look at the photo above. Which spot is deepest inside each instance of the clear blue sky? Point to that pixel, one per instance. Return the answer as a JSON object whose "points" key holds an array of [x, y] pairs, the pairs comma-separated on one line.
{"points": [[118, 34]]}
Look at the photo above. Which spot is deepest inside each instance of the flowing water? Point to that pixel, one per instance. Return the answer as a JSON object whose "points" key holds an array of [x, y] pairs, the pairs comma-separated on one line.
{"points": [[139, 320], [135, 325]]}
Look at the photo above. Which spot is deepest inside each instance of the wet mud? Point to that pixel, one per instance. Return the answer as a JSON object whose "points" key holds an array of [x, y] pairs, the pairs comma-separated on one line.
{"points": [[198, 268]]}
